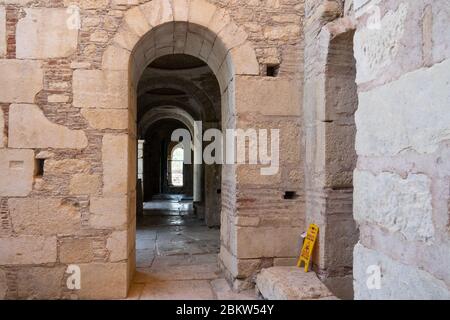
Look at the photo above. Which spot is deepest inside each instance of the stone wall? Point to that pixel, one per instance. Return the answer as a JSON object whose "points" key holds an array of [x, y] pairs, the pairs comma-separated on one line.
{"points": [[67, 193], [403, 175], [330, 101]]}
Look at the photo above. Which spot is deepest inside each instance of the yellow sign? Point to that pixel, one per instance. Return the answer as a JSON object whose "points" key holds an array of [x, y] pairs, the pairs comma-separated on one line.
{"points": [[308, 246]]}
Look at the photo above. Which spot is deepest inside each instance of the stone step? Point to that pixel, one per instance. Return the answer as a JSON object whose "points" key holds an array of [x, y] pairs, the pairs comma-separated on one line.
{"points": [[291, 283]]}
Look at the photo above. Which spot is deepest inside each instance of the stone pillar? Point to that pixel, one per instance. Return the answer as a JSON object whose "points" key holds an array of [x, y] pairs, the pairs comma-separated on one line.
{"points": [[261, 227]]}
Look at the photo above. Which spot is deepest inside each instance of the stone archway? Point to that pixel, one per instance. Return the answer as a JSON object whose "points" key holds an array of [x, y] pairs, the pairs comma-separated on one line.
{"points": [[150, 31]]}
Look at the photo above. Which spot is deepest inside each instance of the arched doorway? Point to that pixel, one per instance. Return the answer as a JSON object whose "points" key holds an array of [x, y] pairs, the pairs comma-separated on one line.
{"points": [[154, 30]]}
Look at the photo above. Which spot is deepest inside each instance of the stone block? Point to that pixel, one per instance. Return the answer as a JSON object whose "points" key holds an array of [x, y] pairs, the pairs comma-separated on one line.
{"points": [[106, 118], [126, 38], [440, 39], [267, 96], [115, 164], [58, 98], [340, 286], [201, 12], [223, 291], [291, 283], [19, 2], [244, 60], [46, 33], [88, 4], [247, 221], [251, 175], [2, 129], [205, 50], [396, 204], [40, 282], [359, 4], [44, 217], [103, 281], [281, 33], [29, 128], [16, 170], [193, 44], [219, 20], [116, 58], [177, 290], [85, 184], [100, 89], [180, 10], [245, 268], [108, 212], [285, 262], [409, 114], [125, 2], [230, 36], [340, 154], [66, 166], [24, 80], [398, 281], [76, 250], [27, 250], [135, 291]]}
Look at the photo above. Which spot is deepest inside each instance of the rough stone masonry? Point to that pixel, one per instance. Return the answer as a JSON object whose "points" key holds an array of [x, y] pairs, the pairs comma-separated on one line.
{"points": [[359, 90]]}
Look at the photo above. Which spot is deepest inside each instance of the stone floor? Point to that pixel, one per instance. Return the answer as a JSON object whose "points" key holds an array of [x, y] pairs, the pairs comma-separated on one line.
{"points": [[177, 256]]}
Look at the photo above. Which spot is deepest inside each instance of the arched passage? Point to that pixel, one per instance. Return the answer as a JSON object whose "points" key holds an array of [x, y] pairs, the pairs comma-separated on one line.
{"points": [[199, 29], [330, 141], [180, 197]]}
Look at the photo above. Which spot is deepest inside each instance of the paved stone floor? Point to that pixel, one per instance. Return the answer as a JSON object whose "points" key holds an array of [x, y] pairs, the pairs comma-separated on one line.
{"points": [[177, 256]]}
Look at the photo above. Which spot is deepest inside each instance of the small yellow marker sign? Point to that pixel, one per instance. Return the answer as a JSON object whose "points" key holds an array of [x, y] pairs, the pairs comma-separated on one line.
{"points": [[308, 246]]}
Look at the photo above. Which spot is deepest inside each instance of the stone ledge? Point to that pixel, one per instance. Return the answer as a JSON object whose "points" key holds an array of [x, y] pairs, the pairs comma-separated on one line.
{"points": [[291, 283]]}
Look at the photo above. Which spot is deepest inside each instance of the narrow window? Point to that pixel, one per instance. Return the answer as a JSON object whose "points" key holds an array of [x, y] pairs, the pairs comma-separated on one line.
{"points": [[176, 163]]}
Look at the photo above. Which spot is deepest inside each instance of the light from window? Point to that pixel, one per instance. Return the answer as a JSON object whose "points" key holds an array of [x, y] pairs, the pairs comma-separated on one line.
{"points": [[176, 166]]}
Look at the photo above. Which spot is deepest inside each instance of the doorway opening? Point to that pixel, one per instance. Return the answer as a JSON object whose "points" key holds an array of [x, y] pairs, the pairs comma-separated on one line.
{"points": [[339, 231], [178, 236]]}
